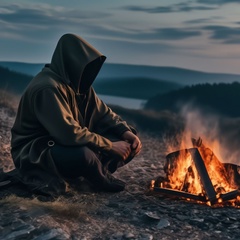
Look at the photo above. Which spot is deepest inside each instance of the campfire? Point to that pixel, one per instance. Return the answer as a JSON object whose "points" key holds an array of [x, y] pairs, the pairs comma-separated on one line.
{"points": [[196, 174]]}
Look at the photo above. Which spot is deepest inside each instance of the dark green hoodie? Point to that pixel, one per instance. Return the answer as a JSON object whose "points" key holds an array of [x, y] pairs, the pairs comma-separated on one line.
{"points": [[60, 105]]}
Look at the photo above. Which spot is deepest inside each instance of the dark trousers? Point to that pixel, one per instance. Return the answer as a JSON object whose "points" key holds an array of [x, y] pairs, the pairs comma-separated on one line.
{"points": [[73, 162]]}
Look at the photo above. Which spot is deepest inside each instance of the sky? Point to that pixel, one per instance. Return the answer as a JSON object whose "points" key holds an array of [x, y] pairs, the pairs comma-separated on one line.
{"points": [[194, 34]]}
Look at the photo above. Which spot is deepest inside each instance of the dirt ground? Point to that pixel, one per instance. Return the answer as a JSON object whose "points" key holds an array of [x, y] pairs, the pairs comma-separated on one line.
{"points": [[135, 213]]}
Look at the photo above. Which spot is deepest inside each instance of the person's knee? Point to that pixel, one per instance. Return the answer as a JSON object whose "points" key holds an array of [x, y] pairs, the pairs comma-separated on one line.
{"points": [[74, 161], [88, 155], [72, 155]]}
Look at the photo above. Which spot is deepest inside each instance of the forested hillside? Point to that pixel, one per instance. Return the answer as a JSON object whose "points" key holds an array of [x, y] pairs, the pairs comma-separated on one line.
{"points": [[219, 98], [141, 88], [113, 71], [13, 81]]}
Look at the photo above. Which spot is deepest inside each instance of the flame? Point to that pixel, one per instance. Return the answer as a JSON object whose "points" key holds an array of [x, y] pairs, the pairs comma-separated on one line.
{"points": [[221, 179], [220, 162], [182, 174]]}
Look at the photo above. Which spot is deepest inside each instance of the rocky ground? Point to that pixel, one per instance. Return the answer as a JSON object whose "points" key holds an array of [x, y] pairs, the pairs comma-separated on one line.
{"points": [[135, 213]]}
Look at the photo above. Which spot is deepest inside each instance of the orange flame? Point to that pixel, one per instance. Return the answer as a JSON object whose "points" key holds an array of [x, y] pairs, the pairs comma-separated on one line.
{"points": [[183, 175]]}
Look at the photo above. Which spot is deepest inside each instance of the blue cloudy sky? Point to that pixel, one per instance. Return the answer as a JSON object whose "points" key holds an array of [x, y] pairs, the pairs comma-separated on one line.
{"points": [[194, 34]]}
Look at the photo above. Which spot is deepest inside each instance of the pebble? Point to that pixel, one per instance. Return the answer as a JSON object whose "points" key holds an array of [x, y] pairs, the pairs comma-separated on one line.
{"points": [[58, 234], [181, 217], [117, 236], [152, 215], [129, 235], [163, 223], [19, 232], [153, 166], [200, 220], [187, 219], [146, 237]]}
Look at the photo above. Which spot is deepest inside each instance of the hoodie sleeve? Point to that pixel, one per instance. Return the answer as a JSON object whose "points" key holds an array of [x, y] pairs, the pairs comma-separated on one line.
{"points": [[109, 120], [53, 112]]}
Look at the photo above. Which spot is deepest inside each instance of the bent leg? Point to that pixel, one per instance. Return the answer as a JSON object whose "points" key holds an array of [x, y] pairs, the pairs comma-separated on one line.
{"points": [[73, 162]]}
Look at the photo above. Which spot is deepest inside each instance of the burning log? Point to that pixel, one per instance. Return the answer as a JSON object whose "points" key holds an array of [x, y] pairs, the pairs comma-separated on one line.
{"points": [[181, 194], [230, 195], [205, 179], [216, 170], [197, 174]]}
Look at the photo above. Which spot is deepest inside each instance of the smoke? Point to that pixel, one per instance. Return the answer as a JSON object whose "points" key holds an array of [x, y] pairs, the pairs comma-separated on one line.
{"points": [[229, 135], [199, 124], [219, 133]]}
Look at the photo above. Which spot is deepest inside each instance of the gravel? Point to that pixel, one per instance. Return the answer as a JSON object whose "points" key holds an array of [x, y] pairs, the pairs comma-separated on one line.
{"points": [[136, 213]]}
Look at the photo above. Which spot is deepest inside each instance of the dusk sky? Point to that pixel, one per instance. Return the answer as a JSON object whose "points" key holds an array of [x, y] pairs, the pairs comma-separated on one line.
{"points": [[196, 34]]}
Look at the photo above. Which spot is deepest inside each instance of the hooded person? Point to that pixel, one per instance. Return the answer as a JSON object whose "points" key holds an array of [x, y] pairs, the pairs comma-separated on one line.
{"points": [[64, 131]]}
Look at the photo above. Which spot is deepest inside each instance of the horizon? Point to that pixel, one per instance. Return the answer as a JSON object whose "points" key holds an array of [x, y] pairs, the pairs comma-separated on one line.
{"points": [[132, 64], [198, 35]]}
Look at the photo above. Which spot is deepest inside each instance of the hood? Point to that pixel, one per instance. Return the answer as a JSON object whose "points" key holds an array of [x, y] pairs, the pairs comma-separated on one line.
{"points": [[76, 62]]}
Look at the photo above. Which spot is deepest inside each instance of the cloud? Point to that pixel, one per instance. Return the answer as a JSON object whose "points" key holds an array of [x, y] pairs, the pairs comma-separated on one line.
{"points": [[37, 27], [36, 20], [43, 14], [181, 7], [203, 20], [33, 22], [227, 35], [173, 34], [149, 10], [148, 35], [218, 2]]}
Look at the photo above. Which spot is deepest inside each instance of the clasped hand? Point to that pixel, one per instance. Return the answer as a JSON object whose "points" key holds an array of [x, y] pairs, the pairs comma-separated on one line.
{"points": [[129, 146]]}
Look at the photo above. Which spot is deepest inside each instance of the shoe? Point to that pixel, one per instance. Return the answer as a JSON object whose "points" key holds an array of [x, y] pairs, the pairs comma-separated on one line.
{"points": [[113, 184], [106, 183], [113, 165]]}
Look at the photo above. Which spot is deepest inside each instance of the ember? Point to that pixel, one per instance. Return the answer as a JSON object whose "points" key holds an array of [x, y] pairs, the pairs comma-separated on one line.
{"points": [[197, 174]]}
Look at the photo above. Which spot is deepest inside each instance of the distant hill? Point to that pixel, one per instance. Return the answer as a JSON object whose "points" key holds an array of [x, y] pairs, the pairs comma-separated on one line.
{"points": [[142, 88], [25, 68], [178, 75], [133, 81], [219, 98], [133, 88], [115, 71], [13, 81]]}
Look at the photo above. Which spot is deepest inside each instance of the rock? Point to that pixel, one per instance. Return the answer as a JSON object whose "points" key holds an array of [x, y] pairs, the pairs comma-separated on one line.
{"points": [[163, 223], [131, 214], [146, 237], [57, 234], [152, 215], [181, 217], [22, 231], [117, 236], [129, 235]]}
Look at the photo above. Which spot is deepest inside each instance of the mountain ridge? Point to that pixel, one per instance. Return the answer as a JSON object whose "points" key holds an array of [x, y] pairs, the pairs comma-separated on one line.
{"points": [[136, 88], [181, 76]]}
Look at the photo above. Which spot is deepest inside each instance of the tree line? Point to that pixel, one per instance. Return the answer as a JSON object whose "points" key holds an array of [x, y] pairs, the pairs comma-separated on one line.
{"points": [[221, 98], [14, 82]]}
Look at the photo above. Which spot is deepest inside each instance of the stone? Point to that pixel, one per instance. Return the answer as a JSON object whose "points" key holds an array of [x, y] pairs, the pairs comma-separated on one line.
{"points": [[163, 223]]}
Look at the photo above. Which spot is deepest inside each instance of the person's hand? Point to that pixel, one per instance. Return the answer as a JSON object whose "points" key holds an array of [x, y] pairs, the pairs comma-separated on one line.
{"points": [[122, 149], [135, 142]]}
